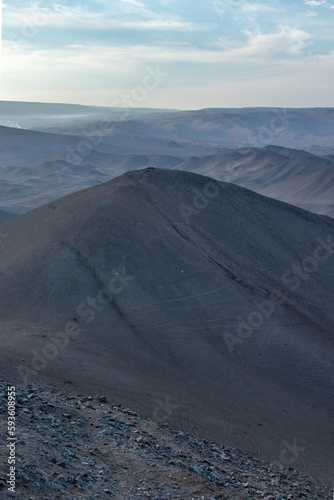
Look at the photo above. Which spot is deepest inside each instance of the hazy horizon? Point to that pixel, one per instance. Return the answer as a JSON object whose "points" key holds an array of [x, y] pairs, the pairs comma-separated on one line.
{"points": [[171, 108]]}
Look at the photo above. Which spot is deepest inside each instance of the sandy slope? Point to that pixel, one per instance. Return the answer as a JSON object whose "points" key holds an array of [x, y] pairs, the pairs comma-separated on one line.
{"points": [[140, 288]]}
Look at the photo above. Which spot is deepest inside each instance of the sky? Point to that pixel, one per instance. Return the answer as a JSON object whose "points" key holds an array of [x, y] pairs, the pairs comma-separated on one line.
{"points": [[169, 53]]}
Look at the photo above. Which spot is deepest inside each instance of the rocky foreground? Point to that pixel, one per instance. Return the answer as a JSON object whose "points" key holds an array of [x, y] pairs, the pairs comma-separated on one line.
{"points": [[73, 447]]}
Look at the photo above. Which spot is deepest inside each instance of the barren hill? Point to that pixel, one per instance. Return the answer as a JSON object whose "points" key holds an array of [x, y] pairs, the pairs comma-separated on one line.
{"points": [[193, 301]]}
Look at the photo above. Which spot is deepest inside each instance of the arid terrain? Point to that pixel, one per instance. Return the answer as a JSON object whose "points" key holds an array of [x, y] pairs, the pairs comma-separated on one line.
{"points": [[166, 300]]}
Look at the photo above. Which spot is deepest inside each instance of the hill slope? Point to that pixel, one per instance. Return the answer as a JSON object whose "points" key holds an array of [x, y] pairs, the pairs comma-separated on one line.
{"points": [[197, 302]]}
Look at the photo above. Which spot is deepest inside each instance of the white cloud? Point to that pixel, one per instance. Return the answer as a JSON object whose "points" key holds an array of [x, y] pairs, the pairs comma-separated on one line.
{"points": [[81, 18], [260, 49], [315, 2], [128, 7], [286, 42], [318, 3], [258, 7]]}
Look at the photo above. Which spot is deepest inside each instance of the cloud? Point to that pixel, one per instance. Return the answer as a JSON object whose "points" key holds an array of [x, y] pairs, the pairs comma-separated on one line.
{"points": [[286, 42], [128, 7], [258, 7], [97, 46], [315, 2], [259, 48], [262, 71], [78, 18], [105, 73], [318, 3], [241, 8]]}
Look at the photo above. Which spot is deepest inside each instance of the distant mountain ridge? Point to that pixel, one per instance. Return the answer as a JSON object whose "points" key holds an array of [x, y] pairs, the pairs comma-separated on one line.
{"points": [[38, 114], [38, 167], [296, 177]]}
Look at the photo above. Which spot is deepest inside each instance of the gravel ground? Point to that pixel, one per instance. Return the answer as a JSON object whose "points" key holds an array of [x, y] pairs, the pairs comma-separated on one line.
{"points": [[74, 447]]}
